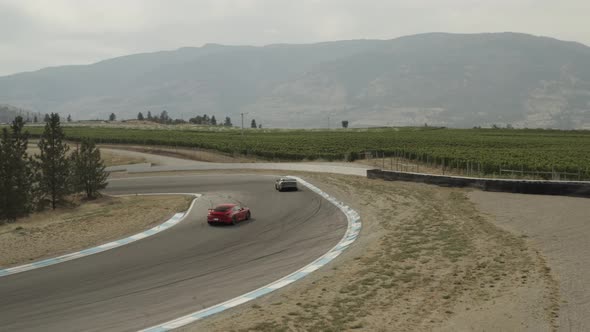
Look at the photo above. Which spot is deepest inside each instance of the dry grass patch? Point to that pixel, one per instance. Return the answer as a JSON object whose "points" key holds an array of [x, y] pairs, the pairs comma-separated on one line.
{"points": [[115, 159], [196, 154], [425, 254], [109, 158], [84, 224]]}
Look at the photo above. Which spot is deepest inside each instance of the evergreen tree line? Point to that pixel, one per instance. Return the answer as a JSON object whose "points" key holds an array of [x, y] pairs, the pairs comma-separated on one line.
{"points": [[162, 118], [34, 118], [210, 121], [205, 120], [31, 183], [199, 119], [253, 124]]}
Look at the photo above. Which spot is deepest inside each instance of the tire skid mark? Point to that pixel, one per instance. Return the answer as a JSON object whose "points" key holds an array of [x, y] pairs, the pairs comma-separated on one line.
{"points": [[352, 232]]}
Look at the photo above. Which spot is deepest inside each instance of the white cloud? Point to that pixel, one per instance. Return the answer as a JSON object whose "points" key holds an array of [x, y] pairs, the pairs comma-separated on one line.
{"points": [[39, 33]]}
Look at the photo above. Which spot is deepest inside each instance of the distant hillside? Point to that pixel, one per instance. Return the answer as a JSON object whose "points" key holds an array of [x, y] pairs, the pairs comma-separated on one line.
{"points": [[439, 79]]}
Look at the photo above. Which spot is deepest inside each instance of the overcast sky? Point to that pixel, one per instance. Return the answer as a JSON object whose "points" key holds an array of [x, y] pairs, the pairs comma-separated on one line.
{"points": [[40, 33]]}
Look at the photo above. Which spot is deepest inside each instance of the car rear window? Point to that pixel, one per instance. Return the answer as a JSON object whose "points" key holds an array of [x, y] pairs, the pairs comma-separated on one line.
{"points": [[222, 208]]}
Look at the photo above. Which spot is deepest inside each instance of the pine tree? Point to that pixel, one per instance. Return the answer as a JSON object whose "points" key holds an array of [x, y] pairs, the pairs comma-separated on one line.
{"points": [[22, 167], [5, 178], [213, 120], [197, 120], [164, 118], [112, 117], [69, 118], [253, 124], [35, 119], [89, 175], [53, 162], [46, 118], [227, 122], [140, 116], [16, 172], [149, 116]]}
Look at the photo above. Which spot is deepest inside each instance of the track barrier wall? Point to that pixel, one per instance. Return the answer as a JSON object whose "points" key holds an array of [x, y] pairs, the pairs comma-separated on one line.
{"points": [[538, 187]]}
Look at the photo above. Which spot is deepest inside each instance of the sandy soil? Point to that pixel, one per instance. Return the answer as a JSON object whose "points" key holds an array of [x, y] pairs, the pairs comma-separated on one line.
{"points": [[115, 159], [559, 228], [109, 158], [52, 233], [426, 260], [184, 153]]}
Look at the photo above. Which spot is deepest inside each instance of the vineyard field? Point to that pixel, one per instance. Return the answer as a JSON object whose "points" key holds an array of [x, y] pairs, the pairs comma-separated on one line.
{"points": [[489, 149]]}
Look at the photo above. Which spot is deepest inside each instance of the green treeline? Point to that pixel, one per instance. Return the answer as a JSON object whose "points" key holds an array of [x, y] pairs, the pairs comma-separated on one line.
{"points": [[31, 183]]}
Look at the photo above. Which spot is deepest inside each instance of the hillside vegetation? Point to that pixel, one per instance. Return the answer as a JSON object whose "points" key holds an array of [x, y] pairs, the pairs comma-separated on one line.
{"points": [[441, 79]]}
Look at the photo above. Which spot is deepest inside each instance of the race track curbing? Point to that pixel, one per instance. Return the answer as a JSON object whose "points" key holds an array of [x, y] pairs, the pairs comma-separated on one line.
{"points": [[178, 217], [352, 232]]}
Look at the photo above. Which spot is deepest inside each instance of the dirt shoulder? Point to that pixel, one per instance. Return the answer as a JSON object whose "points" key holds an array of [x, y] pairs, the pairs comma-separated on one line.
{"points": [[110, 158], [559, 228], [52, 233], [183, 153], [426, 259]]}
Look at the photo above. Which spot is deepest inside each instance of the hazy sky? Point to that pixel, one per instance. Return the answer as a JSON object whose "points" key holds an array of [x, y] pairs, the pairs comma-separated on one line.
{"points": [[40, 33]]}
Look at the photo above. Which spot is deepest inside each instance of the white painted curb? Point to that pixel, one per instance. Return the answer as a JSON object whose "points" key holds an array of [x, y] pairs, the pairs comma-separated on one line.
{"points": [[178, 217], [354, 227]]}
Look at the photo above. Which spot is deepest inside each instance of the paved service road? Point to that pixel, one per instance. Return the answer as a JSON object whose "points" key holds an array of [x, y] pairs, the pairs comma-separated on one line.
{"points": [[186, 268], [170, 164]]}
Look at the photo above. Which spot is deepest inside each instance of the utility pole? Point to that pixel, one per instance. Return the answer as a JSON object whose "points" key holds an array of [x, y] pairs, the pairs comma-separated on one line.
{"points": [[242, 114], [329, 115]]}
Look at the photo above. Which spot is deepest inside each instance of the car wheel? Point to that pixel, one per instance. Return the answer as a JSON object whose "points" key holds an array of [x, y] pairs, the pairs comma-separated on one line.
{"points": [[248, 215]]}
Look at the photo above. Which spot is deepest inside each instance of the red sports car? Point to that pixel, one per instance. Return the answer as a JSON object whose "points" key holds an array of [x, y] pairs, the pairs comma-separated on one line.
{"points": [[228, 214]]}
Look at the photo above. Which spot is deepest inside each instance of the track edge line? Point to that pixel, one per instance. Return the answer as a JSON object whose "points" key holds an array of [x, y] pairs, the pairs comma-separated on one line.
{"points": [[173, 221], [351, 234]]}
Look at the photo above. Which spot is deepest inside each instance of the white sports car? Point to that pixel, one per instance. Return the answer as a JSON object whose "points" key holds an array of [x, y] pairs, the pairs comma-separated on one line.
{"points": [[285, 183]]}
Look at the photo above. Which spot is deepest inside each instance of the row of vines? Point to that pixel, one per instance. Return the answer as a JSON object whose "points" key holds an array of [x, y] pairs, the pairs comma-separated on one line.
{"points": [[490, 149]]}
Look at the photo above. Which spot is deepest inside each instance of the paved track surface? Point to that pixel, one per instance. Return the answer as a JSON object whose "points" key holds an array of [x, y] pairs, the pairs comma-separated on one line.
{"points": [[169, 164], [181, 270]]}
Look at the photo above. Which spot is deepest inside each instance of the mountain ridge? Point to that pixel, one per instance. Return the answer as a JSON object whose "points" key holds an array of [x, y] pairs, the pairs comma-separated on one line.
{"points": [[456, 80]]}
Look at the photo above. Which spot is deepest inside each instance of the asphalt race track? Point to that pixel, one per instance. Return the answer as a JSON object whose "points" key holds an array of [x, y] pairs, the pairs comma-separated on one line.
{"points": [[181, 270]]}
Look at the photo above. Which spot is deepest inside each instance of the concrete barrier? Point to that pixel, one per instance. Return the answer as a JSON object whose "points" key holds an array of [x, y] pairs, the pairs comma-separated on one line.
{"points": [[540, 187]]}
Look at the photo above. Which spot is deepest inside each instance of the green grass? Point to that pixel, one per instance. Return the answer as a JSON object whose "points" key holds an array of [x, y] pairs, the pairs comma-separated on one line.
{"points": [[486, 150]]}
